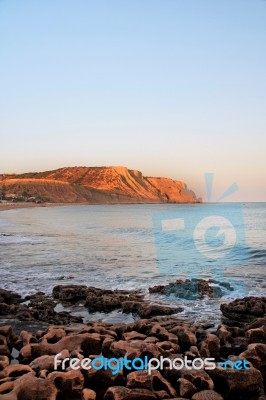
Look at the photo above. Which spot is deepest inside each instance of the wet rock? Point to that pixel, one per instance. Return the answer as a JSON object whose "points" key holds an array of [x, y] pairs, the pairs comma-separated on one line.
{"points": [[9, 297], [146, 309], [245, 310], [103, 300], [189, 289], [71, 293]]}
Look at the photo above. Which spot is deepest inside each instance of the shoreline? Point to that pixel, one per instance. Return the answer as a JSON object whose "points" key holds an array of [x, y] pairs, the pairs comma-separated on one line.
{"points": [[14, 206], [18, 205]]}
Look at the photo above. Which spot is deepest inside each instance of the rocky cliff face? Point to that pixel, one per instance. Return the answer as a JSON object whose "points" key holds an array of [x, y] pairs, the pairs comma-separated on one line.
{"points": [[97, 185]]}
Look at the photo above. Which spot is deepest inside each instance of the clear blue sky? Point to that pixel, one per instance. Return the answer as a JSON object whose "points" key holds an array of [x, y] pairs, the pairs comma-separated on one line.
{"points": [[171, 87]]}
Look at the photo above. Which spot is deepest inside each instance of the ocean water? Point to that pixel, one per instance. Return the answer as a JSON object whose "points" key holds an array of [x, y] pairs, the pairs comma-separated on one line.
{"points": [[115, 246]]}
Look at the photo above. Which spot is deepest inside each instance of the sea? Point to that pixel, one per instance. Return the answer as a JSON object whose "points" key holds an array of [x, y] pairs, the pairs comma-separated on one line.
{"points": [[121, 247]]}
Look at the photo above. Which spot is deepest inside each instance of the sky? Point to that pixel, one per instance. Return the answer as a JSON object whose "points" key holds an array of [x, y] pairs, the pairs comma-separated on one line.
{"points": [[174, 88]]}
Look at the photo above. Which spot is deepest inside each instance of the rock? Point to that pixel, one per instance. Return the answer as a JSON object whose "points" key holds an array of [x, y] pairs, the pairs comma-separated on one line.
{"points": [[122, 393], [88, 394], [146, 309], [207, 395], [161, 394], [257, 335], [13, 371], [29, 388], [4, 362], [257, 323], [6, 330], [100, 379], [46, 362], [246, 309], [134, 349], [108, 300], [69, 382], [3, 340], [8, 297], [168, 348], [53, 335], [154, 381], [223, 333], [89, 343], [210, 347], [186, 338], [133, 336], [199, 378], [71, 293], [24, 339], [4, 350], [189, 289], [162, 334], [140, 380], [186, 388], [233, 382], [256, 354]]}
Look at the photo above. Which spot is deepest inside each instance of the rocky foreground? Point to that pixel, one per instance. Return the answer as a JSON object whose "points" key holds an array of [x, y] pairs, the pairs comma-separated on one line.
{"points": [[27, 356]]}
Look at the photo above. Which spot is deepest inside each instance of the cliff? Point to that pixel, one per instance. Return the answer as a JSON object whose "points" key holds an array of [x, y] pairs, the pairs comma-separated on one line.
{"points": [[101, 185]]}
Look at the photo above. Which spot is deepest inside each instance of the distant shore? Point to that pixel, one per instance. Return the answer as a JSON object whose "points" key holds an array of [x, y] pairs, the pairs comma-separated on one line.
{"points": [[13, 206]]}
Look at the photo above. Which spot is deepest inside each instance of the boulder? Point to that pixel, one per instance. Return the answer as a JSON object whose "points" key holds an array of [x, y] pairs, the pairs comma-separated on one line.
{"points": [[210, 347], [28, 387], [186, 388], [16, 370], [199, 378], [154, 381], [233, 382], [207, 395], [88, 394], [245, 310], [122, 393], [70, 382]]}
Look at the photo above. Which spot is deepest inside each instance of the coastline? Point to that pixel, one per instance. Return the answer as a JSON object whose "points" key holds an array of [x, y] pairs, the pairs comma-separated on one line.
{"points": [[14, 206]]}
